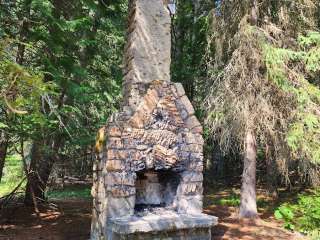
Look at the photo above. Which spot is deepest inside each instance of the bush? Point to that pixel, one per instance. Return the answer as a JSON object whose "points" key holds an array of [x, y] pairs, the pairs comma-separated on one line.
{"points": [[303, 215]]}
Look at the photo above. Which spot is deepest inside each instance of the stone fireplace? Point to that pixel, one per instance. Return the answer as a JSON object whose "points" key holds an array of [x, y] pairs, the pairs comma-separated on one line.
{"points": [[148, 174], [156, 189]]}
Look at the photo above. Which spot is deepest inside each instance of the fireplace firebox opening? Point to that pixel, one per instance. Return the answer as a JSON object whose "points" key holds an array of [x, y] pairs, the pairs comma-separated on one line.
{"points": [[156, 189]]}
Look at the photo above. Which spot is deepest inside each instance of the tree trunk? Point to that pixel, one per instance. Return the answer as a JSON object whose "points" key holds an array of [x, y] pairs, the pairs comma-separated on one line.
{"points": [[272, 174], [217, 160], [248, 204], [43, 156], [3, 154]]}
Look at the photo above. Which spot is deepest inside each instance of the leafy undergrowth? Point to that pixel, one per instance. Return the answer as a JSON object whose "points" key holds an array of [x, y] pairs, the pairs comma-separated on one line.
{"points": [[297, 212], [12, 175], [302, 214]]}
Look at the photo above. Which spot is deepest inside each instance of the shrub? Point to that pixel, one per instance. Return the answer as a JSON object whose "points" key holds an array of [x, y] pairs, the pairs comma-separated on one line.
{"points": [[303, 215]]}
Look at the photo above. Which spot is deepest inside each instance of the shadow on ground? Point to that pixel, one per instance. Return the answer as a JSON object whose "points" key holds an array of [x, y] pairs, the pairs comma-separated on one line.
{"points": [[70, 220]]}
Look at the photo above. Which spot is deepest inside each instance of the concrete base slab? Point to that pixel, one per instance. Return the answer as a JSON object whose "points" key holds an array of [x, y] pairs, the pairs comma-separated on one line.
{"points": [[167, 225]]}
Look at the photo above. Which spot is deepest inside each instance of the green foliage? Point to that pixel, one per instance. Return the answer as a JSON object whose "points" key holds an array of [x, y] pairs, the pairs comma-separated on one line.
{"points": [[23, 85], [304, 130], [190, 27], [69, 79], [12, 175], [286, 214], [302, 215]]}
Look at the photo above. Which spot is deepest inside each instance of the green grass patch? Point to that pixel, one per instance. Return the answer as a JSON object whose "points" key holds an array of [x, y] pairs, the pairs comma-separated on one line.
{"points": [[73, 192], [12, 174], [233, 200]]}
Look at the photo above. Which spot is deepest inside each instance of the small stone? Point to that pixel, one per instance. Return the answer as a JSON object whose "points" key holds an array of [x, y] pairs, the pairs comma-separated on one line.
{"points": [[138, 166], [195, 148], [184, 156], [142, 147], [199, 138], [197, 130], [114, 142], [190, 138], [114, 132], [122, 191], [115, 165], [184, 114], [115, 154], [197, 156]]}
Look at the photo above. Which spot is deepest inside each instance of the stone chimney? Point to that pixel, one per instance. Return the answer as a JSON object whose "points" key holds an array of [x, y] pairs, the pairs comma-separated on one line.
{"points": [[147, 52], [148, 172]]}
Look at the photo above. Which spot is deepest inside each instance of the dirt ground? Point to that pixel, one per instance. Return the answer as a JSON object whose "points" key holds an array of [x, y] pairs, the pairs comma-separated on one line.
{"points": [[70, 219]]}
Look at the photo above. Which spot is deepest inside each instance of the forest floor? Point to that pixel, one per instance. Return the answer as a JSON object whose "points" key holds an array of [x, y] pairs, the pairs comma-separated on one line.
{"points": [[69, 218]]}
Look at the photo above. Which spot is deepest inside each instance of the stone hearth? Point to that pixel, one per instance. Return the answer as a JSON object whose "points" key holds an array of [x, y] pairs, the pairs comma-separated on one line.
{"points": [[148, 173]]}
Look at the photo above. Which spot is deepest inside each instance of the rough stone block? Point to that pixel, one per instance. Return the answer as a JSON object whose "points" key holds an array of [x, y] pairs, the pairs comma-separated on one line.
{"points": [[138, 119], [190, 188], [164, 222], [195, 149], [115, 154], [179, 89], [121, 191], [164, 156], [138, 165], [121, 178], [151, 99], [187, 104], [114, 131], [192, 176], [199, 138], [190, 204], [115, 143], [192, 122], [190, 138], [197, 129], [115, 165], [120, 207], [196, 166], [197, 156]]}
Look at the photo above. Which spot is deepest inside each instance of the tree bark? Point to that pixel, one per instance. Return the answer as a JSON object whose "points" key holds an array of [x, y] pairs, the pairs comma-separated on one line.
{"points": [[3, 154], [248, 204], [43, 156], [271, 173]]}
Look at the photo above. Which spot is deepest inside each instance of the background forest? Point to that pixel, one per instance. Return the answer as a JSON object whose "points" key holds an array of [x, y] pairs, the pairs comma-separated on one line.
{"points": [[251, 69]]}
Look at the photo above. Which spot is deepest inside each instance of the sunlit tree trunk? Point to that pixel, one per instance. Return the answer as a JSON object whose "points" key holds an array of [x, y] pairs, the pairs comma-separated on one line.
{"points": [[248, 204]]}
